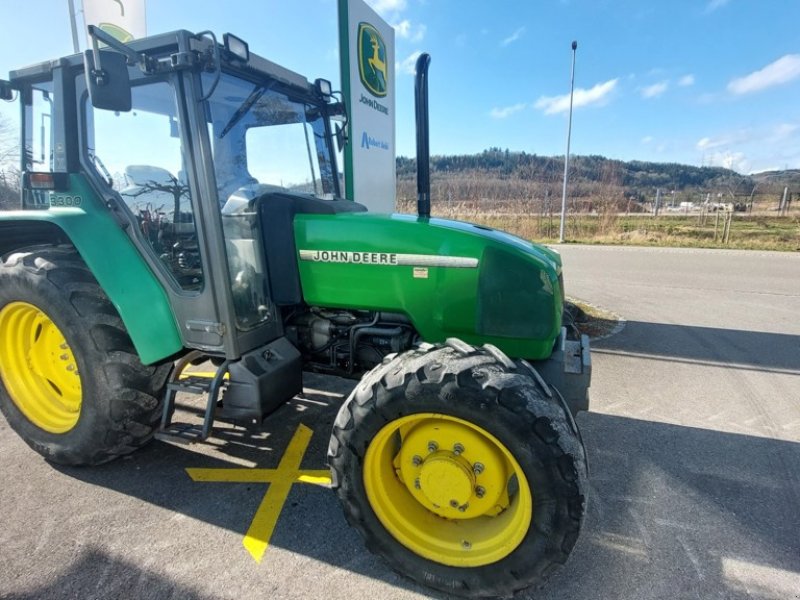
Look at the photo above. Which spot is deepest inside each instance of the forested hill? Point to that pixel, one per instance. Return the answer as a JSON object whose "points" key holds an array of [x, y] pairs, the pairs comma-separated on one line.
{"points": [[630, 175]]}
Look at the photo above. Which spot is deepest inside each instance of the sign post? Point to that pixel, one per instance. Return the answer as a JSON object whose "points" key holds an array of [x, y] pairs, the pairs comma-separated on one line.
{"points": [[366, 51]]}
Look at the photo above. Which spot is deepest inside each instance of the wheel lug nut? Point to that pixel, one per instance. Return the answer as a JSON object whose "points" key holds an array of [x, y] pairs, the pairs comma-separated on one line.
{"points": [[417, 460], [64, 357], [463, 508], [417, 484], [454, 503], [458, 449], [480, 492], [477, 468], [433, 446], [63, 346], [466, 545], [70, 367]]}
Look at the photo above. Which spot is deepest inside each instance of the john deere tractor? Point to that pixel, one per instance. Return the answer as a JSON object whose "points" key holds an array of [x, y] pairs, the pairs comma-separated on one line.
{"points": [[181, 203]]}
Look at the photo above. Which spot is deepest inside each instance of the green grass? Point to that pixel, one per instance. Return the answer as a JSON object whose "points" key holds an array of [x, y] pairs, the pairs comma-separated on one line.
{"points": [[746, 232]]}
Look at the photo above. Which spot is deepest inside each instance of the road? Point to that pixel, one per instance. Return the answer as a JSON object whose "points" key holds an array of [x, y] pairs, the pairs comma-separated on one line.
{"points": [[693, 439]]}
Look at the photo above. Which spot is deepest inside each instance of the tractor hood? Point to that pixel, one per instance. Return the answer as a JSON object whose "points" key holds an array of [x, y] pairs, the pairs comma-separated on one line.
{"points": [[451, 279], [495, 235]]}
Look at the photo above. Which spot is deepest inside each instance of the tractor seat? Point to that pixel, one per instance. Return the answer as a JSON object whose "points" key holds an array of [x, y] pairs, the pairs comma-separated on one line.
{"points": [[276, 212]]}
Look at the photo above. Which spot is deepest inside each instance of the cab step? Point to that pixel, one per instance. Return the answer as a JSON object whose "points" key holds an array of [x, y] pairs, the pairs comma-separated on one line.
{"points": [[188, 433]]}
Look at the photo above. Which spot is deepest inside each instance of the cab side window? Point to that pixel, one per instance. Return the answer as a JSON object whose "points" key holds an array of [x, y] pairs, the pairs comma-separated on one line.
{"points": [[39, 154]]}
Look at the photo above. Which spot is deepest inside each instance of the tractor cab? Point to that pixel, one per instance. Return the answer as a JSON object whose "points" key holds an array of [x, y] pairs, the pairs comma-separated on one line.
{"points": [[209, 131], [180, 141]]}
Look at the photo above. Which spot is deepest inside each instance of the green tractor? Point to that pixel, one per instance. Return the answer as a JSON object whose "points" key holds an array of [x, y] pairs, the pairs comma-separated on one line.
{"points": [[181, 203]]}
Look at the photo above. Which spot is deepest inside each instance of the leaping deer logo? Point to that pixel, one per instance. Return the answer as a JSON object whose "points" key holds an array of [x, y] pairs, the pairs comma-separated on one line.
{"points": [[372, 60], [378, 65]]}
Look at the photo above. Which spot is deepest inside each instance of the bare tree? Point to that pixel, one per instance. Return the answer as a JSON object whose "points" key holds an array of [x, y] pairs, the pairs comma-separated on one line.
{"points": [[9, 165]]}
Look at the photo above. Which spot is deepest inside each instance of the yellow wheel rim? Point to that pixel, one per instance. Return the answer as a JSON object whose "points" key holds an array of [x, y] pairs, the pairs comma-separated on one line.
{"points": [[447, 490], [38, 368]]}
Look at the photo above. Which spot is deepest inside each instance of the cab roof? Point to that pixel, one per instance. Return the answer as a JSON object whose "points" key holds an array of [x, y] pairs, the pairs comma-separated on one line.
{"points": [[164, 45]]}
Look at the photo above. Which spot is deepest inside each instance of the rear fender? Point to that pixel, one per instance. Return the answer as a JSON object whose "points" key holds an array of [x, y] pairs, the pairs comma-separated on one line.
{"points": [[110, 255]]}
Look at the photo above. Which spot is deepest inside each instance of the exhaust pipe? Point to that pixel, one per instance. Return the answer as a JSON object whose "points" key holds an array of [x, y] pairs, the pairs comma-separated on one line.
{"points": [[423, 149]]}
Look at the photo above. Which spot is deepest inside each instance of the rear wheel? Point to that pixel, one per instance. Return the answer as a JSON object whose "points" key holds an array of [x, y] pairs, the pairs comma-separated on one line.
{"points": [[461, 468], [71, 384]]}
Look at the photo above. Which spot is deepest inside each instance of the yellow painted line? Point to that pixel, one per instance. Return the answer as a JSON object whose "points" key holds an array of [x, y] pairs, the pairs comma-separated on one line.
{"points": [[321, 477], [317, 477], [203, 374], [233, 475], [280, 481]]}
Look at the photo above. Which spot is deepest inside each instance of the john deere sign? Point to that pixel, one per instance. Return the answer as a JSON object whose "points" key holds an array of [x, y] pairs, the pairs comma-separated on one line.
{"points": [[372, 60], [366, 46], [123, 19]]}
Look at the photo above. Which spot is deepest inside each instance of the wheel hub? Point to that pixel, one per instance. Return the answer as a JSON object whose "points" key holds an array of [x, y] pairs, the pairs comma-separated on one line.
{"points": [[38, 368], [446, 480], [452, 470], [447, 489]]}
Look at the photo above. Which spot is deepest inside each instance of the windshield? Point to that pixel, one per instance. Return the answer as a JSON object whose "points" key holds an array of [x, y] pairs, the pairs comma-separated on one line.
{"points": [[264, 141]]}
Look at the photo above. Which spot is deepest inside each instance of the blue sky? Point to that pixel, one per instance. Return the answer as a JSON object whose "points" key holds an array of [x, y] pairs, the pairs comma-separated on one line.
{"points": [[704, 82]]}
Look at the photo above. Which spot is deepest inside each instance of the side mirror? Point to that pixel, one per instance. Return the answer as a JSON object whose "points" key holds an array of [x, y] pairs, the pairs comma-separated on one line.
{"points": [[109, 82], [6, 91]]}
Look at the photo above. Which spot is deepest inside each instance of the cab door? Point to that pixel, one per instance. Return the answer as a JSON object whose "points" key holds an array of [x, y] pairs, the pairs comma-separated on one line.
{"points": [[149, 164]]}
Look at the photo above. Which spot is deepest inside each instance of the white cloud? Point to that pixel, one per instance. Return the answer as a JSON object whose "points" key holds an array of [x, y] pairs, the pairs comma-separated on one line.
{"points": [[715, 4], [506, 111], [408, 65], [686, 80], [655, 90], [403, 28], [383, 7], [513, 37], [597, 95], [708, 143], [732, 138], [783, 70], [736, 161], [648, 139], [407, 31], [753, 148]]}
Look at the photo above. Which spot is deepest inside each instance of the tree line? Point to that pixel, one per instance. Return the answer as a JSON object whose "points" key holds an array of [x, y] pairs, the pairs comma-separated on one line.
{"points": [[635, 177]]}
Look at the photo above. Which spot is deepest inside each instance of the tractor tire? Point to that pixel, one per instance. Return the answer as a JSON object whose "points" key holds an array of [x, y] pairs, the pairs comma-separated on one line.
{"points": [[71, 383], [461, 468]]}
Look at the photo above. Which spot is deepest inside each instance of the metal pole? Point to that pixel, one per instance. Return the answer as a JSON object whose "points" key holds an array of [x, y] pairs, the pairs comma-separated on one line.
{"points": [[75, 45], [569, 136], [782, 209]]}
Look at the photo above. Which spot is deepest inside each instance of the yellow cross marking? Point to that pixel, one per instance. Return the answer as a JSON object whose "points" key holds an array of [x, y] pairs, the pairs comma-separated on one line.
{"points": [[280, 482]]}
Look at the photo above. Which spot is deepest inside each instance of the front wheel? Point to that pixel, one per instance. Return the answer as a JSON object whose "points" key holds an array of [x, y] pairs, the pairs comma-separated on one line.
{"points": [[461, 468]]}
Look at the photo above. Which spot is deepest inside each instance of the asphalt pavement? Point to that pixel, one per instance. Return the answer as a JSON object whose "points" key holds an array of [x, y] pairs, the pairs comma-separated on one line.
{"points": [[693, 440]]}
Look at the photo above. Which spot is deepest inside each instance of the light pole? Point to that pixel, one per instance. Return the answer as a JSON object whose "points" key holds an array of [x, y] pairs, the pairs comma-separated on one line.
{"points": [[569, 136], [75, 45]]}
